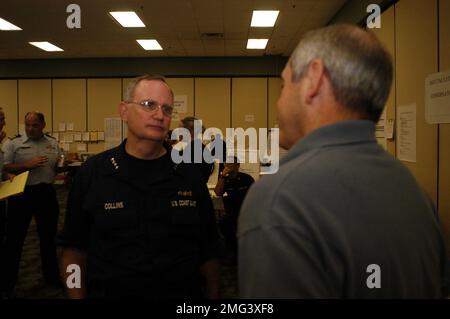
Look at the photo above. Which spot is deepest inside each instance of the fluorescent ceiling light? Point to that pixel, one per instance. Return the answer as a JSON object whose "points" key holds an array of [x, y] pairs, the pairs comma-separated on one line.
{"points": [[149, 44], [46, 46], [257, 43], [7, 26], [264, 18], [127, 19]]}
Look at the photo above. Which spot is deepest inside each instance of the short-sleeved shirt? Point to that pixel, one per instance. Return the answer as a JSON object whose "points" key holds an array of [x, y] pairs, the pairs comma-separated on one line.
{"points": [[340, 219], [22, 149], [146, 225]]}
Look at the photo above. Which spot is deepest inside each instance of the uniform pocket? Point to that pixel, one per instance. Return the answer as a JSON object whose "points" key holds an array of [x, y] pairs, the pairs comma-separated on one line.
{"points": [[24, 154]]}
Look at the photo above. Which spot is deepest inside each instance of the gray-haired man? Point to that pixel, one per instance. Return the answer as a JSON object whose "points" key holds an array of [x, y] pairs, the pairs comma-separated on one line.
{"points": [[341, 218]]}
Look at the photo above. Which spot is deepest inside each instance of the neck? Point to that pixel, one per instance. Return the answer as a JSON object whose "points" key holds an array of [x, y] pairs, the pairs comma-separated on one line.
{"points": [[332, 115], [144, 149]]}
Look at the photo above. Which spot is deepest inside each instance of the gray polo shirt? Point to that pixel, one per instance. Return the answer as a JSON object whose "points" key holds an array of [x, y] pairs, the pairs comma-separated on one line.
{"points": [[339, 205], [22, 149]]}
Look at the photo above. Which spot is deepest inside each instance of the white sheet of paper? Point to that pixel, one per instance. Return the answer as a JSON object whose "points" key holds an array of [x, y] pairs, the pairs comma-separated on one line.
{"points": [[77, 137], [68, 137], [180, 103], [406, 133], [66, 147], [85, 136], [81, 147], [390, 128], [112, 132], [70, 126], [437, 98], [101, 136], [62, 127]]}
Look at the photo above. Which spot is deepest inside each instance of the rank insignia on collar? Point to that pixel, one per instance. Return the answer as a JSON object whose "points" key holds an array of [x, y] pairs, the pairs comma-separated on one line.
{"points": [[113, 161]]}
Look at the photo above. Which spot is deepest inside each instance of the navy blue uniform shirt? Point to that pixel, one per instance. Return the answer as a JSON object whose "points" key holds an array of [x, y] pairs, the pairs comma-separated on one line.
{"points": [[146, 225]]}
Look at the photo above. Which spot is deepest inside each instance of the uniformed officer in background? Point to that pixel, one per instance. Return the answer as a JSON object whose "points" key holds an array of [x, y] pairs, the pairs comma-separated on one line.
{"points": [[37, 153], [232, 185], [137, 225]]}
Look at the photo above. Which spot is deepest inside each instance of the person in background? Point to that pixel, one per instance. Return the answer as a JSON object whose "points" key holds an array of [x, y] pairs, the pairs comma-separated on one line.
{"points": [[137, 224], [2, 202], [232, 186], [189, 146], [342, 218], [37, 153]]}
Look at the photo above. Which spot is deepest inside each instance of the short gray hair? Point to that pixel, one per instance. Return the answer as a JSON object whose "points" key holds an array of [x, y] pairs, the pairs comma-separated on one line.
{"points": [[131, 88], [359, 68]]}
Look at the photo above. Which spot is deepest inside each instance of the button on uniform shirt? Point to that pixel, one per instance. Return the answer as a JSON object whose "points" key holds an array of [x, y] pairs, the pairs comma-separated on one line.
{"points": [[22, 149]]}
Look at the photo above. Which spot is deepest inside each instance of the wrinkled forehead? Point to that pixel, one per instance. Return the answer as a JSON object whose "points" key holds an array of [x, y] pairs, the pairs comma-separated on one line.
{"points": [[153, 89]]}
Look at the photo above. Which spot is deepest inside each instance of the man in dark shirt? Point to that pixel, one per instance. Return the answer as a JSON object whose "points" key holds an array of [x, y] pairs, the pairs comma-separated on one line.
{"points": [[232, 185], [137, 224]]}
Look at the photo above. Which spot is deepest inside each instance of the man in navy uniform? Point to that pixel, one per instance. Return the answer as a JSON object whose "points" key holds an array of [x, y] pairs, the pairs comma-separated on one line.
{"points": [[37, 153], [137, 225]]}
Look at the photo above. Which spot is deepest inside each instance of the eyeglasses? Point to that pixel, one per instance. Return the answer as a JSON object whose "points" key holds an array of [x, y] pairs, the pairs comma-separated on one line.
{"points": [[150, 105]]}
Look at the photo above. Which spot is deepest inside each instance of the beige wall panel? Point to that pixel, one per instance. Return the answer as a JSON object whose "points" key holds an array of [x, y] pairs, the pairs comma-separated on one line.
{"points": [[36, 95], [416, 49], [182, 86], [444, 129], [213, 102], [69, 105], [8, 101], [274, 94], [249, 100], [103, 96], [386, 34]]}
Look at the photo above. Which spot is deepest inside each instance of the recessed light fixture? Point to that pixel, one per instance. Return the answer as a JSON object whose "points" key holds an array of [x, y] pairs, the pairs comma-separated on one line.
{"points": [[257, 43], [46, 46], [8, 26], [127, 19], [149, 44], [264, 18]]}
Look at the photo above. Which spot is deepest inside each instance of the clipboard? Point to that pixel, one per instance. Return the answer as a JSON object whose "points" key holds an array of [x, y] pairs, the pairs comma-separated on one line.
{"points": [[16, 187]]}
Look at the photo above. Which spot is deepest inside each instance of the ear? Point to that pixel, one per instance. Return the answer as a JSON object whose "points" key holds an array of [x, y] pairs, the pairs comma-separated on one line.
{"points": [[123, 111], [315, 76]]}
